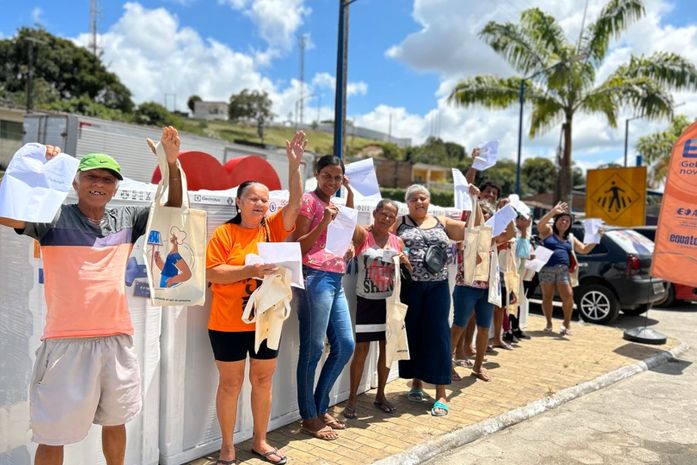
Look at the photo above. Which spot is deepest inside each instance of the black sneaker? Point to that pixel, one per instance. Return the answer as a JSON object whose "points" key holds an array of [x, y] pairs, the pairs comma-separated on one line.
{"points": [[508, 337], [520, 334]]}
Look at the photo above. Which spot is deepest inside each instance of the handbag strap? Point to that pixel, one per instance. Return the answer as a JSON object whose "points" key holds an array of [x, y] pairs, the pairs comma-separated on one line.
{"points": [[163, 185]]}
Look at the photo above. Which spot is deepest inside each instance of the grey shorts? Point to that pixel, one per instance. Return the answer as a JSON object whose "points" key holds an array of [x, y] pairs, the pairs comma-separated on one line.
{"points": [[80, 381], [554, 274]]}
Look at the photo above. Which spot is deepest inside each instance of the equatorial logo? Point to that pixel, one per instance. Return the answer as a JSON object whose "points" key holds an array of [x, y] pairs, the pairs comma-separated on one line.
{"points": [[690, 149], [684, 211]]}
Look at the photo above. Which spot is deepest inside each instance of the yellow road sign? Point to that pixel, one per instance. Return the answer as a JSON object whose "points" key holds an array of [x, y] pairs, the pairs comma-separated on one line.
{"points": [[617, 195]]}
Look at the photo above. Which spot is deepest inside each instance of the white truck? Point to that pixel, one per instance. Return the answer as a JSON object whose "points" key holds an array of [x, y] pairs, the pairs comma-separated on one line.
{"points": [[78, 135]]}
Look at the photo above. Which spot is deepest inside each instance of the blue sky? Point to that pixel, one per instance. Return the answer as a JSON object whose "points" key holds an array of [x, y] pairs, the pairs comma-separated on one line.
{"points": [[404, 57]]}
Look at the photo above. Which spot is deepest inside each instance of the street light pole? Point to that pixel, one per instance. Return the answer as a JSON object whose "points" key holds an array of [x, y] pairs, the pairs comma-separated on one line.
{"points": [[341, 65], [520, 136]]}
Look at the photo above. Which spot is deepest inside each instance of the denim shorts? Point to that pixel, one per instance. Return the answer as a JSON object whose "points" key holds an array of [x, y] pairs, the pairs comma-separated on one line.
{"points": [[554, 274]]}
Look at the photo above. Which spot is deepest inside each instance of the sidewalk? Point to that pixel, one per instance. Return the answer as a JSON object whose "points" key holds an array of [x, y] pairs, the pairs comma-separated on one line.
{"points": [[535, 370]]}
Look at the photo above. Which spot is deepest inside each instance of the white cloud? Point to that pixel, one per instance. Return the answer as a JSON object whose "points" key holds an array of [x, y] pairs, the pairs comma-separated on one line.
{"points": [[36, 14], [277, 20]]}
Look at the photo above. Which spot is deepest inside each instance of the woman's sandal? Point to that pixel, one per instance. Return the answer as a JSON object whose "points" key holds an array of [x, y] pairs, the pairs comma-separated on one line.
{"points": [[227, 462], [416, 395], [438, 405], [325, 433], [482, 375], [350, 412], [385, 406], [267, 456], [332, 422]]}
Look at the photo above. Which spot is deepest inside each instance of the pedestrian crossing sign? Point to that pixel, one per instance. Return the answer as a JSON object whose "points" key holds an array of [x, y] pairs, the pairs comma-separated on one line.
{"points": [[617, 195]]}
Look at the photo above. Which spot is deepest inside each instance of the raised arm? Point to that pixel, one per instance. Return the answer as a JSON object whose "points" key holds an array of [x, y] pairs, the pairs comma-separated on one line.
{"points": [[349, 192], [295, 149], [583, 248], [171, 143], [543, 227], [471, 172]]}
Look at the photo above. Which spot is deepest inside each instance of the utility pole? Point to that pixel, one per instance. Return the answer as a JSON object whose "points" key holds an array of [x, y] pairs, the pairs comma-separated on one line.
{"points": [[302, 43], [30, 70], [94, 14], [341, 65]]}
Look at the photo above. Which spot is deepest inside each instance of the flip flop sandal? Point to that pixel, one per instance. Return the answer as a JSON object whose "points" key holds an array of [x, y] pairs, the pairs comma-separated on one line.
{"points": [[320, 433], [482, 376], [227, 462], [265, 457], [350, 413], [416, 395], [334, 423], [384, 406], [438, 405]]}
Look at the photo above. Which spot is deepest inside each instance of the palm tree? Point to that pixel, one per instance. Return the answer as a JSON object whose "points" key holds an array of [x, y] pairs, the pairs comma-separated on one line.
{"points": [[565, 74], [657, 148]]}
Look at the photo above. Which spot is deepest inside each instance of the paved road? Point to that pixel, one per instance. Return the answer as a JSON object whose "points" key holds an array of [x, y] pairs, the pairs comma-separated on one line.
{"points": [[648, 418]]}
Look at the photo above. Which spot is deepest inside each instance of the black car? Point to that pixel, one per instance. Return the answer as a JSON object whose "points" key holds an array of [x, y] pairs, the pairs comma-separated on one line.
{"points": [[614, 276]]}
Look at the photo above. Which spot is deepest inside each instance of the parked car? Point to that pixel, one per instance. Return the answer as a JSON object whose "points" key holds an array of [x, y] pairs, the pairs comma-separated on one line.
{"points": [[614, 276], [675, 292]]}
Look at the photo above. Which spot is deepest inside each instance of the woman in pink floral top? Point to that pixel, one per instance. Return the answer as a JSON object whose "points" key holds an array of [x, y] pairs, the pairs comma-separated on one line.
{"points": [[322, 310]]}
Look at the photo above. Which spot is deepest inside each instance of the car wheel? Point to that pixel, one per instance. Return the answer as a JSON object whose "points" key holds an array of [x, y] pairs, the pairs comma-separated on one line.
{"points": [[596, 304], [668, 298]]}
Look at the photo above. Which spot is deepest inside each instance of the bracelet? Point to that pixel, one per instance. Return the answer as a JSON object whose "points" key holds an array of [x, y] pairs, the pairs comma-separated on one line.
{"points": [[175, 179]]}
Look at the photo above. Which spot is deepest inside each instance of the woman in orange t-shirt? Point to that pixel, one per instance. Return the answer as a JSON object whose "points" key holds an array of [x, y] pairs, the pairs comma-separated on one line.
{"points": [[232, 284]]}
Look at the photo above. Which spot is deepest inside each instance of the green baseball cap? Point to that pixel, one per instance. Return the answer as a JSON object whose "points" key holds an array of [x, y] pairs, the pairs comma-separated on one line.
{"points": [[94, 161]]}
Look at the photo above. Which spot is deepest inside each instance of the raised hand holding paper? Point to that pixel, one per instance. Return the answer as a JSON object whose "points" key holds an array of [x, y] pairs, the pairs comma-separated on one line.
{"points": [[364, 181], [591, 230], [519, 206], [488, 154], [463, 200], [34, 188], [501, 219]]}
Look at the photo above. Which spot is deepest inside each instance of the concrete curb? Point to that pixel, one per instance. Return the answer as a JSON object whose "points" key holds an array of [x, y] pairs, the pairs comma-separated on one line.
{"points": [[454, 439]]}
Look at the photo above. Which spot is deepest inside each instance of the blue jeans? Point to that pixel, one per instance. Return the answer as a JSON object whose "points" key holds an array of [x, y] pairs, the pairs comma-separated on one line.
{"points": [[468, 299], [322, 310]]}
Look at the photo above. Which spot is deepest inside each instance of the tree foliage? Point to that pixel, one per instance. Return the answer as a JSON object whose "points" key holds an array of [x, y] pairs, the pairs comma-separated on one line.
{"points": [[250, 106], [656, 149], [61, 69], [538, 175], [154, 114], [502, 174], [191, 102], [435, 151], [560, 76]]}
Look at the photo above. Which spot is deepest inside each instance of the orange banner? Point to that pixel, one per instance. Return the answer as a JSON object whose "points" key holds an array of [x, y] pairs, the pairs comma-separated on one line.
{"points": [[675, 255]]}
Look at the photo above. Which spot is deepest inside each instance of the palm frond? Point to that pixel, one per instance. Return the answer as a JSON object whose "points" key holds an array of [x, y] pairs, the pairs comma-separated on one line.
{"points": [[615, 17], [643, 94], [668, 69], [488, 91], [546, 33], [512, 42], [603, 99], [547, 112]]}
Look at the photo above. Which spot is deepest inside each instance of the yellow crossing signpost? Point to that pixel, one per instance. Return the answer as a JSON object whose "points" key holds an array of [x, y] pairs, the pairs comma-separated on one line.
{"points": [[617, 195]]}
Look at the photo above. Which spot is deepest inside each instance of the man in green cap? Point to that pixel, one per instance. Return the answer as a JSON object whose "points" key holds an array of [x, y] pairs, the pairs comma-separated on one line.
{"points": [[86, 369]]}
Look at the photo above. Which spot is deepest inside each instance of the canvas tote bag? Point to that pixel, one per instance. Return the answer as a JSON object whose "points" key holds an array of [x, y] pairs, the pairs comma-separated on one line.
{"points": [[477, 243], [494, 279], [396, 345], [175, 246]]}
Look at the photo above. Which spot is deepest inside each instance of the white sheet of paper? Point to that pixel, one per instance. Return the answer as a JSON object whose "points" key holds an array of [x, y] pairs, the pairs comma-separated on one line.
{"points": [[499, 222], [542, 255], [488, 154], [340, 231], [463, 199], [363, 179], [33, 188], [285, 254], [591, 228], [519, 205]]}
